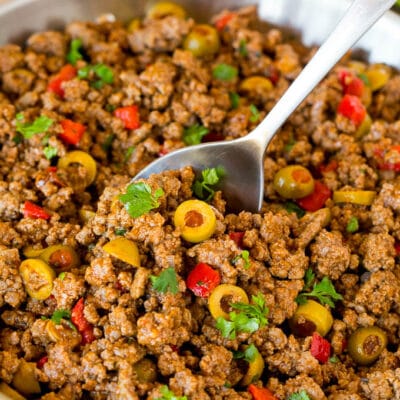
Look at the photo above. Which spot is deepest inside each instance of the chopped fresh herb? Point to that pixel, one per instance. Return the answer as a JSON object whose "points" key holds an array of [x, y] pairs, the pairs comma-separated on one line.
{"points": [[120, 231], [225, 72], [139, 199], [62, 315], [168, 395], [333, 359], [302, 395], [235, 100], [45, 139], [39, 125], [74, 53], [250, 318], [243, 48], [289, 145], [255, 114], [128, 153], [248, 355], [209, 177], [324, 291], [227, 385], [103, 74], [352, 226], [194, 134], [110, 108], [291, 207], [166, 281], [17, 139], [365, 79], [245, 256], [50, 152], [108, 142], [61, 276]]}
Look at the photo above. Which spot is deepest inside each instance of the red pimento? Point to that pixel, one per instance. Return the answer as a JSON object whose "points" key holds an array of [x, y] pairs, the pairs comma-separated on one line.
{"points": [[72, 131], [32, 210], [129, 116], [351, 107], [237, 237], [41, 362], [202, 280], [213, 137], [320, 348], [316, 199], [221, 22], [273, 74], [51, 169], [388, 160], [260, 393], [351, 83], [82, 325], [66, 73], [331, 166], [397, 248]]}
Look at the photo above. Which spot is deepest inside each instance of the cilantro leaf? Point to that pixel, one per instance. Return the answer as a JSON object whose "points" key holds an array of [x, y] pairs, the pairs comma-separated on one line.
{"points": [[166, 281], [62, 315], [120, 231], [139, 199], [209, 177], [302, 395], [352, 226], [292, 207], [129, 151], [103, 74], [257, 310], [61, 276], [235, 100], [309, 278], [245, 255], [243, 48], [168, 395], [39, 125], [289, 145], [227, 328], [255, 114], [324, 291], [333, 359], [248, 355], [50, 152], [225, 72], [74, 53], [106, 145], [194, 134]]}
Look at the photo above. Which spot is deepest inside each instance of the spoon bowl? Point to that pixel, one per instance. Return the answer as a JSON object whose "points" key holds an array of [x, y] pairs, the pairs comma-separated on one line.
{"points": [[242, 159]]}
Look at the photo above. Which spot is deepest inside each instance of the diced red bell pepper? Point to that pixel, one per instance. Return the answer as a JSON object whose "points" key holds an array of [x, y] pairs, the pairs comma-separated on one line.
{"points": [[81, 323], [237, 237], [316, 199], [260, 393], [351, 107], [72, 131], [203, 279], [273, 74], [41, 362], [397, 248], [66, 73], [129, 115], [223, 21], [51, 169], [320, 348], [387, 165], [331, 166], [32, 210], [212, 137], [351, 83]]}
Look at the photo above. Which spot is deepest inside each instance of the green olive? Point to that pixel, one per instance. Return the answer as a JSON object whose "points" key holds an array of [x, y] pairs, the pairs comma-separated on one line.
{"points": [[203, 40], [146, 370], [294, 182], [366, 344], [165, 8]]}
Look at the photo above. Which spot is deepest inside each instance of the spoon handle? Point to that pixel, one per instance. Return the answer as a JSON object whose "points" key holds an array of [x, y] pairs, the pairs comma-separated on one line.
{"points": [[359, 17]]}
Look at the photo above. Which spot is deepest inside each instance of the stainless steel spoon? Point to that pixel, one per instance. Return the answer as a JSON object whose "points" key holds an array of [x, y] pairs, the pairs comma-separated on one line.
{"points": [[242, 159]]}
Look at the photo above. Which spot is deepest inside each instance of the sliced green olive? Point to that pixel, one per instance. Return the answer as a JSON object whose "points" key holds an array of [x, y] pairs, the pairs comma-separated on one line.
{"points": [[203, 40], [196, 220], [254, 370], [165, 8], [146, 370], [62, 333], [294, 182], [221, 298], [124, 249], [311, 317], [366, 344], [60, 257], [24, 379], [378, 76], [256, 84]]}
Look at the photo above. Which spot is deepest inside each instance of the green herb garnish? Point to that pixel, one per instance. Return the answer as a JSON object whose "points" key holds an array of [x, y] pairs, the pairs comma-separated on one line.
{"points": [[139, 199], [243, 48], [27, 130], [128, 153], [49, 152], [365, 79], [103, 74], [352, 226], [324, 291], [225, 72], [61, 276], [291, 207], [248, 355], [74, 53], [194, 134], [255, 114], [289, 145], [166, 281], [333, 359], [245, 256], [168, 395], [235, 100], [108, 142], [302, 395], [62, 315], [209, 177], [120, 231]]}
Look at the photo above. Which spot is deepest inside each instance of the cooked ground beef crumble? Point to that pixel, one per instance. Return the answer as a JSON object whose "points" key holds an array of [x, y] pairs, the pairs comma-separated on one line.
{"points": [[100, 326]]}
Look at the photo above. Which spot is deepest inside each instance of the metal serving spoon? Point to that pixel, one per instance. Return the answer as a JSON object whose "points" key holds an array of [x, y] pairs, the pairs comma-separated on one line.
{"points": [[242, 159]]}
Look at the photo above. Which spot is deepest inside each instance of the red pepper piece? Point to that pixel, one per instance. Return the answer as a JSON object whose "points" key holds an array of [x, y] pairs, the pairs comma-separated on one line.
{"points": [[351, 83], [51, 169], [388, 165], [316, 199], [331, 166], [221, 23], [212, 137], [260, 393], [42, 361], [81, 323], [351, 107], [72, 131], [129, 115], [397, 248], [32, 210], [202, 280], [320, 348], [66, 73], [237, 237], [273, 74]]}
